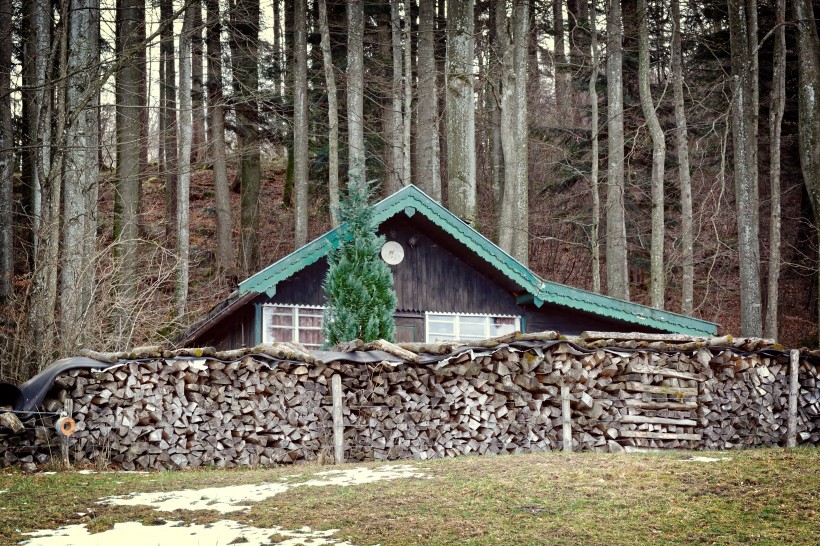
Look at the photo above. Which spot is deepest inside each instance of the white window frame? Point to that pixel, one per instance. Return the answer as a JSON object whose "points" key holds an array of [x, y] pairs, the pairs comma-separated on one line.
{"points": [[295, 328], [457, 324]]}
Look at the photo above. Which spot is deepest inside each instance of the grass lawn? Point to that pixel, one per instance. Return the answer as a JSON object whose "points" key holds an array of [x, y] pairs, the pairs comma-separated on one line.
{"points": [[769, 496]]}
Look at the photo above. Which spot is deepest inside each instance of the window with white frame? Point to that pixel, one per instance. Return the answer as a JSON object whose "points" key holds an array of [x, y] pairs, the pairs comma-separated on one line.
{"points": [[293, 323], [468, 327]]}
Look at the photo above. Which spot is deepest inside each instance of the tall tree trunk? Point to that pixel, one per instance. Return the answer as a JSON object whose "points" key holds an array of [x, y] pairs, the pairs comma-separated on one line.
{"points": [[777, 106], [332, 116], [808, 51], [216, 106], [130, 21], [393, 119], [43, 309], [562, 74], [300, 123], [460, 111], [427, 124], [185, 142], [593, 177], [745, 169], [6, 154], [656, 269], [80, 169], [168, 111], [408, 97], [355, 92], [493, 98], [244, 58], [198, 142], [682, 138], [513, 234], [617, 271], [37, 107]]}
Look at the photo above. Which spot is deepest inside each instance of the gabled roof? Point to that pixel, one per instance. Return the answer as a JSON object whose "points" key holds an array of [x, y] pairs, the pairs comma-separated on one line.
{"points": [[410, 200]]}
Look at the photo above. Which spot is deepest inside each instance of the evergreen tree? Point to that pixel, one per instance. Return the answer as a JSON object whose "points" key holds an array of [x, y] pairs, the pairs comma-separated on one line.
{"points": [[358, 287]]}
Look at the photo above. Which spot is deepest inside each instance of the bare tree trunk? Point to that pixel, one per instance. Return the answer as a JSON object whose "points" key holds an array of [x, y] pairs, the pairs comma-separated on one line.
{"points": [[244, 59], [808, 51], [745, 170], [493, 98], [355, 91], [37, 107], [427, 124], [43, 310], [393, 119], [168, 111], [130, 21], [185, 141], [224, 229], [408, 98], [617, 271], [776, 108], [593, 177], [521, 22], [460, 111], [80, 169], [6, 154], [562, 75], [300, 123], [198, 142], [656, 269], [332, 116], [682, 137]]}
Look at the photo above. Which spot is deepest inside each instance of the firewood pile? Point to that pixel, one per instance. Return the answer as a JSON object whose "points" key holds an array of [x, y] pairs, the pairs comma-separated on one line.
{"points": [[273, 405]]}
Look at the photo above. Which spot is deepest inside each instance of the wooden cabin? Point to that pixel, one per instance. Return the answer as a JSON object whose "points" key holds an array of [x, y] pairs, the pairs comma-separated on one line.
{"points": [[451, 283]]}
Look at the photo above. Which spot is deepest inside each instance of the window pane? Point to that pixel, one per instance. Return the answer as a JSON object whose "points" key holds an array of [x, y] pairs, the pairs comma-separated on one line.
{"points": [[502, 325], [311, 338], [280, 334], [472, 327], [441, 328], [314, 321]]}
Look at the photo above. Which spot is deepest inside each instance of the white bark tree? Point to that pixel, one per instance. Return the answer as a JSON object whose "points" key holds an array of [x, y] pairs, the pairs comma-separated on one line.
{"points": [[460, 110]]}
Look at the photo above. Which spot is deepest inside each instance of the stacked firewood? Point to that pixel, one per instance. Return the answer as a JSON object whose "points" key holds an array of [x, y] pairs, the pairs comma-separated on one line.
{"points": [[157, 410]]}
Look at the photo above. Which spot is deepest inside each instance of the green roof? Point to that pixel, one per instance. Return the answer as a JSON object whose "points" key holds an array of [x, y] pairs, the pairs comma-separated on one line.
{"points": [[411, 200]]}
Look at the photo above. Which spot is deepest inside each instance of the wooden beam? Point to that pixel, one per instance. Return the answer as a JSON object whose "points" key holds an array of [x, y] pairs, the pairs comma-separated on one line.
{"points": [[634, 386], [665, 372], [659, 435], [794, 388], [338, 420], [641, 419], [642, 404]]}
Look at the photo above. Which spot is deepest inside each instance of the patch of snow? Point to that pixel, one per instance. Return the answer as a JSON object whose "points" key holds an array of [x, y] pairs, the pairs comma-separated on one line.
{"points": [[701, 459], [176, 533], [235, 498]]}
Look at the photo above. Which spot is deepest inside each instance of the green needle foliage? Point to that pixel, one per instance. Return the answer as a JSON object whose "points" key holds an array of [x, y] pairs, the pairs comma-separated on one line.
{"points": [[360, 300]]}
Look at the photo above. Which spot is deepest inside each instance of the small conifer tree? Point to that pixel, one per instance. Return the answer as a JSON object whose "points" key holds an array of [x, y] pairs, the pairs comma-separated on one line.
{"points": [[359, 295]]}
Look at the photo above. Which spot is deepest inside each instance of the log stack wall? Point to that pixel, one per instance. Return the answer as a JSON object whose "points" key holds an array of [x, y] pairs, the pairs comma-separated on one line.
{"points": [[178, 412]]}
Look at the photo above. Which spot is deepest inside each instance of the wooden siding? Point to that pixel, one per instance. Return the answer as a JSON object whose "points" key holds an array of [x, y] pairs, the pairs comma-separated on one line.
{"points": [[572, 322], [233, 332]]}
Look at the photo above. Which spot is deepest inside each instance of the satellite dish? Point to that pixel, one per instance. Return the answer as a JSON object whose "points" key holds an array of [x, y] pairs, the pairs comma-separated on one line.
{"points": [[392, 253]]}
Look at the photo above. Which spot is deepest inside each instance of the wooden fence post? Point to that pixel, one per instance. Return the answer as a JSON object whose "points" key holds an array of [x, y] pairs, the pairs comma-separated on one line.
{"points": [[794, 387], [68, 410], [338, 420], [567, 417]]}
